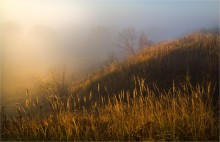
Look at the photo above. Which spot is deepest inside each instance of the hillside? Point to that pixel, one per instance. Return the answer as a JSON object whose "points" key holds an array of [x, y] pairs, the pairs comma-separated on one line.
{"points": [[169, 91], [193, 58]]}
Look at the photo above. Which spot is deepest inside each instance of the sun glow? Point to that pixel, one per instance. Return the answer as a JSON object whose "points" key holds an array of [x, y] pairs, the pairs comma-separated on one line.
{"points": [[52, 13], [27, 48]]}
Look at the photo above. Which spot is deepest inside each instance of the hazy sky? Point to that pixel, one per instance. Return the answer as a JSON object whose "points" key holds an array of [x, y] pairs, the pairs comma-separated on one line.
{"points": [[41, 33], [171, 17]]}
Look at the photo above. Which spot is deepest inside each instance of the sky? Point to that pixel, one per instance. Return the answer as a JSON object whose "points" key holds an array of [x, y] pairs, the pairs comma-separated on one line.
{"points": [[39, 34], [172, 17]]}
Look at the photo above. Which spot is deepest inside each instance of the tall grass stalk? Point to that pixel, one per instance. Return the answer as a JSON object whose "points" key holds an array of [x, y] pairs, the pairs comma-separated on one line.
{"points": [[183, 113]]}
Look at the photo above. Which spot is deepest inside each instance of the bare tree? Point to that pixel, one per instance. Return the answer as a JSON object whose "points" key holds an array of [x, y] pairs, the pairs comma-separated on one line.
{"points": [[128, 40], [143, 41]]}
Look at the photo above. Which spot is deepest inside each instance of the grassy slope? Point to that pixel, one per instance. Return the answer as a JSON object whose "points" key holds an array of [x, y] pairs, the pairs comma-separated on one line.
{"points": [[195, 57], [183, 72]]}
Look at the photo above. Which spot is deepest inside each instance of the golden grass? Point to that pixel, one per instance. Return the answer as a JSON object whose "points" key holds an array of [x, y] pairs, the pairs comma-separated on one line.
{"points": [[166, 92], [196, 54], [184, 113]]}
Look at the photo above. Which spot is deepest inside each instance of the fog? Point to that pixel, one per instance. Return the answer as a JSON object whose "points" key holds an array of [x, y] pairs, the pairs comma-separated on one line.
{"points": [[44, 35]]}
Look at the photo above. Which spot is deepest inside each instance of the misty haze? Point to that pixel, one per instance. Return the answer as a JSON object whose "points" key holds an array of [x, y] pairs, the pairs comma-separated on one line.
{"points": [[85, 64]]}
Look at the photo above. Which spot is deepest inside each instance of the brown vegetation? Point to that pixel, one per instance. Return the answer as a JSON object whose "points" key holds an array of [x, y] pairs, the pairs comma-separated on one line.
{"points": [[165, 92]]}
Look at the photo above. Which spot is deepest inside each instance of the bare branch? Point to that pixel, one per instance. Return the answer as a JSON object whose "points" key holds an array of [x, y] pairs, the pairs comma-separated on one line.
{"points": [[127, 40]]}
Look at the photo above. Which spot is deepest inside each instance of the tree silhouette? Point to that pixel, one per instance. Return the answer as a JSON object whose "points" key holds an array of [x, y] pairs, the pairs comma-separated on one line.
{"points": [[128, 40], [143, 41]]}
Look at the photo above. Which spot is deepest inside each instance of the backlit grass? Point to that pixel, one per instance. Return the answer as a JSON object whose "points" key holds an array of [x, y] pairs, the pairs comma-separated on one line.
{"points": [[169, 91]]}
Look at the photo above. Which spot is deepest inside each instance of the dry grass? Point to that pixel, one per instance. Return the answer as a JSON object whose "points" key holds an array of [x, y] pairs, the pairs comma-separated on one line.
{"points": [[166, 92], [195, 55], [184, 113]]}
